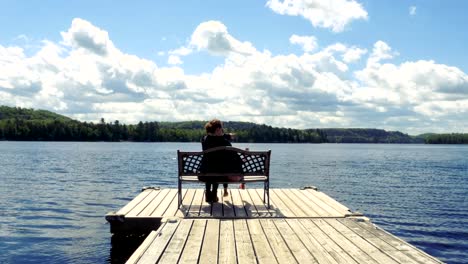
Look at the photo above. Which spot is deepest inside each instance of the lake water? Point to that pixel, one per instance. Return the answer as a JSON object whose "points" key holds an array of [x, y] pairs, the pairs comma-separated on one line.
{"points": [[54, 195]]}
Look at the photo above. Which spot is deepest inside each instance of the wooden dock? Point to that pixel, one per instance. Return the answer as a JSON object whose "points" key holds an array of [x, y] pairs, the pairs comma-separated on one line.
{"points": [[301, 226]]}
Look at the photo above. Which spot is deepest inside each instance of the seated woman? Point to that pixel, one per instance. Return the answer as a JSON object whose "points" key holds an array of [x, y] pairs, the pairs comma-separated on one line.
{"points": [[217, 162]]}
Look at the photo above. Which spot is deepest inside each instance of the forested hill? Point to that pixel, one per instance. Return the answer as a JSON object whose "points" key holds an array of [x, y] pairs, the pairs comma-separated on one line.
{"points": [[29, 124], [368, 135], [17, 113]]}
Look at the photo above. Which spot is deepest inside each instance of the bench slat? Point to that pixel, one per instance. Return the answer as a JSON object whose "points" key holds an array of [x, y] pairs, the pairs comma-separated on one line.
{"points": [[246, 179]]}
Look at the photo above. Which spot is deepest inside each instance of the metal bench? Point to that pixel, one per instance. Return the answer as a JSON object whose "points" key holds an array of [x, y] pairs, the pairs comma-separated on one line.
{"points": [[255, 168]]}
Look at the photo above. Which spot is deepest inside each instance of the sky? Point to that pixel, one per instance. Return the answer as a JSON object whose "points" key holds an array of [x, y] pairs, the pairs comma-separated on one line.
{"points": [[394, 65]]}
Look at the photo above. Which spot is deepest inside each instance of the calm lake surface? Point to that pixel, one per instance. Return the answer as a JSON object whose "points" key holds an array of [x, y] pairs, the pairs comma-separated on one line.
{"points": [[54, 195]]}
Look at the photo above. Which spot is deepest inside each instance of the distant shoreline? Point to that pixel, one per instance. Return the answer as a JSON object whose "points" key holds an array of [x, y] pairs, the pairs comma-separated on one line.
{"points": [[237, 142], [22, 124]]}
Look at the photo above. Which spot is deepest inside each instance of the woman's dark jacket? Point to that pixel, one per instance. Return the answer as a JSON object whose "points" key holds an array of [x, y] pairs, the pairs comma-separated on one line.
{"points": [[222, 161]]}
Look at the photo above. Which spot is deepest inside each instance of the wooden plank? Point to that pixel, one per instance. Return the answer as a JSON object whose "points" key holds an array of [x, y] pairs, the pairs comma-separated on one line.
{"points": [[205, 208], [399, 244], [359, 242], [261, 246], [295, 245], [217, 208], [262, 210], [143, 247], [331, 211], [327, 243], [186, 203], [239, 208], [359, 255], [156, 249], [196, 205], [330, 201], [279, 246], [288, 199], [274, 211], [173, 210], [314, 206], [124, 210], [298, 204], [227, 243], [244, 247], [376, 241], [191, 252], [143, 204], [209, 250], [176, 245], [228, 205], [154, 203], [278, 195], [169, 198], [278, 203], [248, 203], [311, 243]]}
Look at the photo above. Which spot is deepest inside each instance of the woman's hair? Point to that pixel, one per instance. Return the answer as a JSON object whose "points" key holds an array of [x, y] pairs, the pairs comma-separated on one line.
{"points": [[213, 125]]}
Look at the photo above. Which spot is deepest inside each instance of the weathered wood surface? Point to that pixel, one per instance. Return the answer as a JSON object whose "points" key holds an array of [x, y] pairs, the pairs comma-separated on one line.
{"points": [[238, 204], [272, 240], [301, 226]]}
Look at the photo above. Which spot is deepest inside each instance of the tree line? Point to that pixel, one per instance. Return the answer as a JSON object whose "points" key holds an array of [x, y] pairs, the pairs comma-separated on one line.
{"points": [[24, 124], [368, 135], [453, 138], [58, 130]]}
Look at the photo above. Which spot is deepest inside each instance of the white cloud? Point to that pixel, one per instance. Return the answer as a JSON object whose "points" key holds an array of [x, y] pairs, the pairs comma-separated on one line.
{"points": [[183, 51], [174, 55], [422, 87], [325, 61], [333, 14], [308, 43], [174, 60], [412, 10], [82, 70], [439, 109], [213, 37], [83, 35], [19, 76], [85, 76], [353, 54], [381, 51], [348, 54]]}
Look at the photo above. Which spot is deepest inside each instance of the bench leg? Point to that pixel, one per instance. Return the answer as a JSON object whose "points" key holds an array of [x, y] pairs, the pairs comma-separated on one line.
{"points": [[179, 193], [266, 193]]}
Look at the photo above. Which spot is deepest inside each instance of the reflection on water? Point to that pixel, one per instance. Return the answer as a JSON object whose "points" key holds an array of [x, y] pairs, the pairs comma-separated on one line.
{"points": [[54, 195]]}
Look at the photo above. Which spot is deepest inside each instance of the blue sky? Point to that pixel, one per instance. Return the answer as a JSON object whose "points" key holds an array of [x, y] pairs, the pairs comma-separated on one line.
{"points": [[395, 65]]}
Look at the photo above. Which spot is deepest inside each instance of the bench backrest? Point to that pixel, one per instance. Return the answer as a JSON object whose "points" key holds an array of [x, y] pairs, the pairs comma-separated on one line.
{"points": [[253, 162]]}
